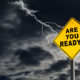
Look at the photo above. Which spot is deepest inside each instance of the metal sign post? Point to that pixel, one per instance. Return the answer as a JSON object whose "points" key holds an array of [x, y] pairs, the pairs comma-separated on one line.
{"points": [[72, 70]]}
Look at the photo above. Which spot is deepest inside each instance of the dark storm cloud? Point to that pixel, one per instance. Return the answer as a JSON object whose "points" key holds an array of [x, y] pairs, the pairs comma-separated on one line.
{"points": [[58, 66], [63, 77], [21, 73], [3, 9], [77, 73], [55, 67], [4, 78], [33, 56], [28, 26], [8, 22], [21, 79], [11, 69], [78, 65], [5, 39]]}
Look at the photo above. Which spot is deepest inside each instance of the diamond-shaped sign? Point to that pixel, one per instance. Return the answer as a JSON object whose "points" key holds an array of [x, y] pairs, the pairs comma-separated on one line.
{"points": [[68, 40]]}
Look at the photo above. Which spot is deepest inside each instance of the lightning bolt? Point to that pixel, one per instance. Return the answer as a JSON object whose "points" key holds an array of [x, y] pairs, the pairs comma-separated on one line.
{"points": [[31, 13]]}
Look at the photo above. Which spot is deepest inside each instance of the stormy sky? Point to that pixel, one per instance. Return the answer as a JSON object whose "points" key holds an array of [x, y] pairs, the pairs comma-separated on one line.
{"points": [[27, 30]]}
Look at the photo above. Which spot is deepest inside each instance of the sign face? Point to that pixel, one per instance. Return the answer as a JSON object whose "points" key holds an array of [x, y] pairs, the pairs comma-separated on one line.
{"points": [[68, 40]]}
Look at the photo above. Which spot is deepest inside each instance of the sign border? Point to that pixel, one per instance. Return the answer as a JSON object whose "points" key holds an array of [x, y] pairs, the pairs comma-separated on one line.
{"points": [[59, 34]]}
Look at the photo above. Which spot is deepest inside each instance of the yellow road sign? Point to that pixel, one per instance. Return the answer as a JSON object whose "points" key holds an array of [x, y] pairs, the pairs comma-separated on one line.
{"points": [[68, 40]]}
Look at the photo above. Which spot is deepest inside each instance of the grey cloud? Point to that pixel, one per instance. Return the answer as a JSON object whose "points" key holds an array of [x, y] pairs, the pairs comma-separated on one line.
{"points": [[33, 56], [20, 73], [77, 73], [8, 25], [55, 67], [21, 79], [63, 77], [60, 65], [10, 19]]}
